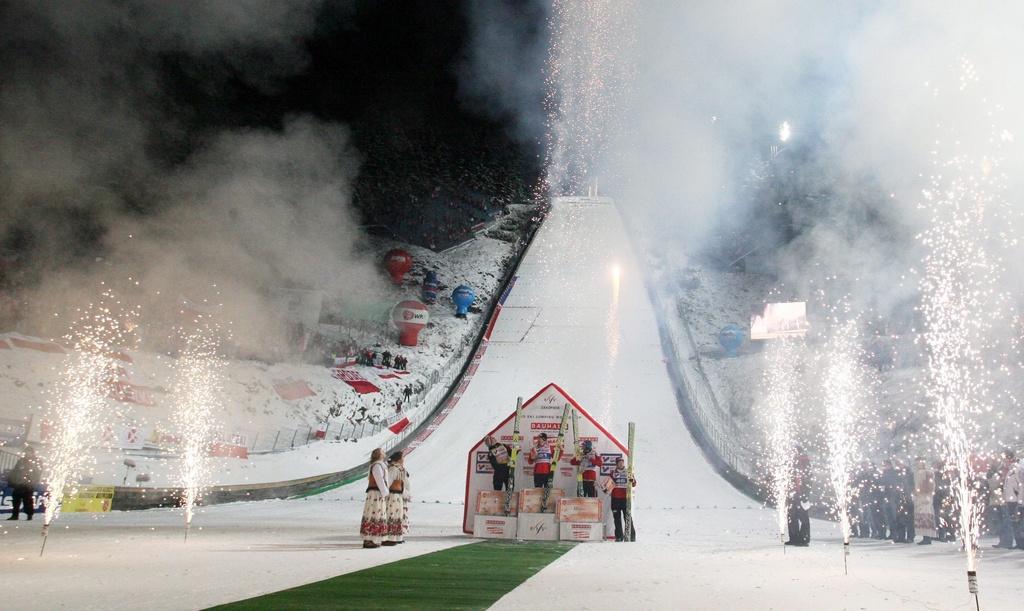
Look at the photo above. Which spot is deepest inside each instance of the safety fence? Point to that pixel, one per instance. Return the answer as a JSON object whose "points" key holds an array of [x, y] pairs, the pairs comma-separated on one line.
{"points": [[716, 424], [422, 402]]}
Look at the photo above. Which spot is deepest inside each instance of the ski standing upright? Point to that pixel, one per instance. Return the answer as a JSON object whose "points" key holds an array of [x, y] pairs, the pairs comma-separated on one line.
{"points": [[577, 453], [627, 519], [510, 486]]}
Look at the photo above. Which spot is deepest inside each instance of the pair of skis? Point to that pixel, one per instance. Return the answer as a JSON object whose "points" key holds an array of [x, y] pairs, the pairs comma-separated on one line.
{"points": [[510, 485], [627, 527], [578, 454]]}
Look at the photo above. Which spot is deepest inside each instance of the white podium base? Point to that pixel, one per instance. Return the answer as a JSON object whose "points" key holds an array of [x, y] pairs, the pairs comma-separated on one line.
{"points": [[538, 527], [581, 531], [495, 527]]}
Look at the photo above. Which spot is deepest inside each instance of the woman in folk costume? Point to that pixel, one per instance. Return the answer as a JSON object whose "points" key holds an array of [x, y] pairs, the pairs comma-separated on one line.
{"points": [[398, 515], [375, 514], [408, 500]]}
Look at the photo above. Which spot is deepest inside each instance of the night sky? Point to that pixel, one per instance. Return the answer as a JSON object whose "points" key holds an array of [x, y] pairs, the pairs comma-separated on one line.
{"points": [[388, 71]]}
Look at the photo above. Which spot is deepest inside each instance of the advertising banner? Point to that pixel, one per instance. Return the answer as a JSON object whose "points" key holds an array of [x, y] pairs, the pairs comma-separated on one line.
{"points": [[292, 390], [542, 413], [88, 499], [777, 320], [579, 510], [354, 379], [496, 527], [492, 503], [531, 500]]}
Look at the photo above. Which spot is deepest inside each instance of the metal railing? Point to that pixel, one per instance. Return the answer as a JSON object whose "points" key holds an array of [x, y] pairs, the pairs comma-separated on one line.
{"points": [[8, 458], [718, 426]]}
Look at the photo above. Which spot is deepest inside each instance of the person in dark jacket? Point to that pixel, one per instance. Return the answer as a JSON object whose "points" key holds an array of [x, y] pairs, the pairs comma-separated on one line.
{"points": [[864, 502], [24, 478], [617, 485], [798, 519], [906, 503], [892, 484], [498, 455]]}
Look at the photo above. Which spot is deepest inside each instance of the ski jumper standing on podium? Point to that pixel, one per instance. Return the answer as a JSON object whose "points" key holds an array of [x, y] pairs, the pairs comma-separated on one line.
{"points": [[540, 458], [498, 455], [590, 463], [616, 484]]}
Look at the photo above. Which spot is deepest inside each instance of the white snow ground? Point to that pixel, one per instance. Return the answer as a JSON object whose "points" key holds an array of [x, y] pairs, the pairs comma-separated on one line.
{"points": [[252, 411], [702, 544]]}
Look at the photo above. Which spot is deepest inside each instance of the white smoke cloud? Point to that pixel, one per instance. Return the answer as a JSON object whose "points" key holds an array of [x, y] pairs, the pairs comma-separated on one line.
{"points": [[92, 146]]}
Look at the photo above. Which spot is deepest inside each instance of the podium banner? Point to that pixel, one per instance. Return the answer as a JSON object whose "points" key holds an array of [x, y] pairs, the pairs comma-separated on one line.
{"points": [[532, 499], [579, 510], [492, 503]]}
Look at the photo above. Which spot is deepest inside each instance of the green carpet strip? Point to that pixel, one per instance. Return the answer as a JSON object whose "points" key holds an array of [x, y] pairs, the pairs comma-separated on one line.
{"points": [[472, 576]]}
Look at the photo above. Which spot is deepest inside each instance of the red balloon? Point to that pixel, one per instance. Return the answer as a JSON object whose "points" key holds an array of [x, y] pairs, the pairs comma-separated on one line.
{"points": [[398, 262], [410, 317]]}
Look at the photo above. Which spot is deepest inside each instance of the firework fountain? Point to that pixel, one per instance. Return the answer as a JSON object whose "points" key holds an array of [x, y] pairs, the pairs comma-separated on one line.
{"points": [[845, 385], [960, 304], [588, 75], [783, 386], [77, 408], [197, 389]]}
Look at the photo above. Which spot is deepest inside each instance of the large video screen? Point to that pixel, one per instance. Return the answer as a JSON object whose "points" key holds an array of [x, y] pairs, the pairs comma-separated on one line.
{"points": [[774, 320]]}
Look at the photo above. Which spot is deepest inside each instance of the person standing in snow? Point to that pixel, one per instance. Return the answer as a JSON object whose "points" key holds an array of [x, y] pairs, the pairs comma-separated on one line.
{"points": [[590, 464], [24, 478], [1006, 489], [617, 485], [374, 525], [398, 521], [924, 506], [864, 501], [907, 503], [540, 457], [891, 483], [498, 455], [799, 521]]}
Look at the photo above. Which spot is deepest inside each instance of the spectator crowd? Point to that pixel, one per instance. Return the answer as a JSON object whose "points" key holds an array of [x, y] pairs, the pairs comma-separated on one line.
{"points": [[899, 501]]}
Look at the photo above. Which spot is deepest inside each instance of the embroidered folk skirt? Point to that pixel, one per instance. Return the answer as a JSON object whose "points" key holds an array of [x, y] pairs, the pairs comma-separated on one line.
{"points": [[374, 525], [397, 520]]}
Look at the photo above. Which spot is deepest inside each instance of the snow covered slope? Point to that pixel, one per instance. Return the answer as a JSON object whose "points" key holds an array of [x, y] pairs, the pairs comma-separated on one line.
{"points": [[701, 545], [578, 315]]}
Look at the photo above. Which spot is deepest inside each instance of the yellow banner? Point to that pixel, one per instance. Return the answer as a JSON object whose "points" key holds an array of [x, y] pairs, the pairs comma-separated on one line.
{"points": [[88, 499]]}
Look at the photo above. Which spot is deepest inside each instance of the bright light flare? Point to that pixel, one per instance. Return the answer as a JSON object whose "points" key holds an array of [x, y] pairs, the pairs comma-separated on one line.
{"points": [[785, 131]]}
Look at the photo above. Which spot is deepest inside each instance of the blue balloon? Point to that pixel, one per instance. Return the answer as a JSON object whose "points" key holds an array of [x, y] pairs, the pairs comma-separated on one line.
{"points": [[731, 338], [463, 297], [430, 289]]}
